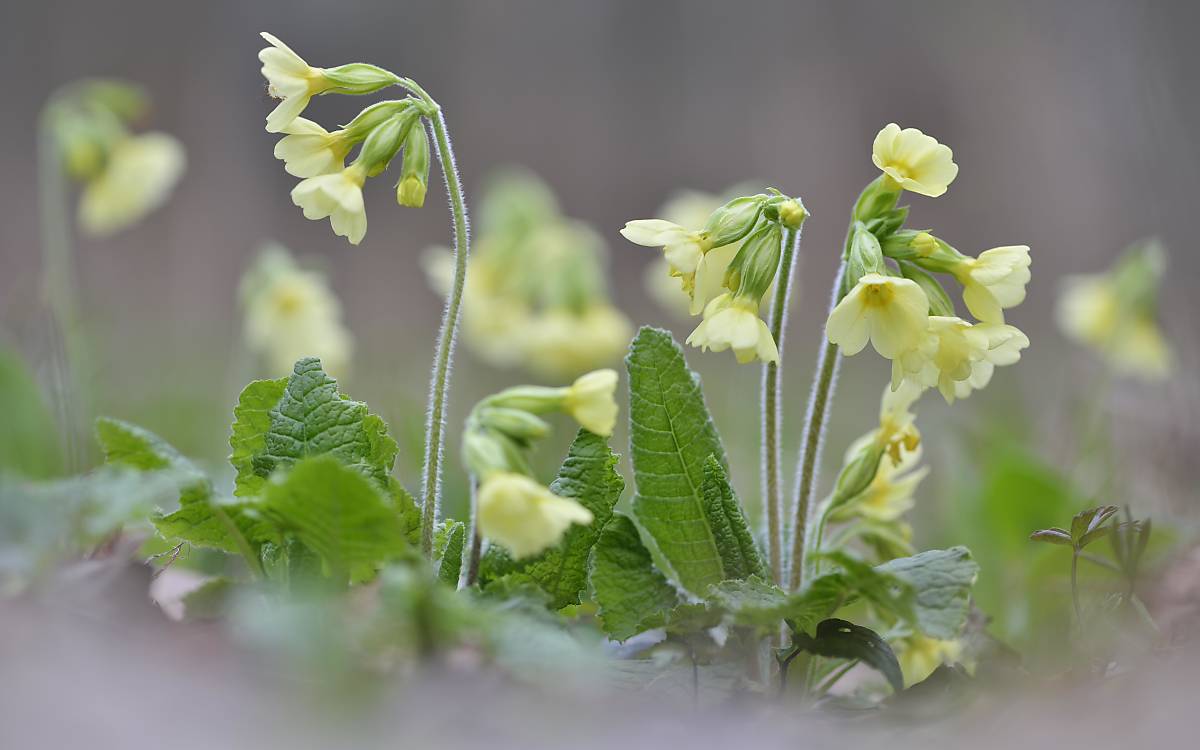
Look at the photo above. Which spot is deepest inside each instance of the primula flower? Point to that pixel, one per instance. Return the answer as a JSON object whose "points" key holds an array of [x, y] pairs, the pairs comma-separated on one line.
{"points": [[994, 281], [589, 400], [683, 248], [732, 322], [897, 429], [561, 343], [308, 150], [920, 655], [890, 494], [291, 79], [339, 196], [915, 161], [291, 313], [890, 312], [958, 357], [523, 516], [137, 178], [1091, 312]]}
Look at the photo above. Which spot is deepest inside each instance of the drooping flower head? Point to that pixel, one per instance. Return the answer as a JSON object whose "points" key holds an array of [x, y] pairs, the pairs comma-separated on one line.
{"points": [[913, 160], [524, 516], [889, 312], [732, 322], [339, 196], [994, 281]]}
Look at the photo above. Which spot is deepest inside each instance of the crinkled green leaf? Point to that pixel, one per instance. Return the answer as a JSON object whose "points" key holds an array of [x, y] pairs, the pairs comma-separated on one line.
{"points": [[309, 418], [338, 513], [450, 566], [940, 581], [739, 553], [672, 436], [627, 587], [28, 434], [589, 475], [840, 639]]}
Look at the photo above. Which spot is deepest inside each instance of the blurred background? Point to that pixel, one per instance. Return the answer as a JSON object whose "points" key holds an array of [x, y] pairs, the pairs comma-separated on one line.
{"points": [[1072, 123]]}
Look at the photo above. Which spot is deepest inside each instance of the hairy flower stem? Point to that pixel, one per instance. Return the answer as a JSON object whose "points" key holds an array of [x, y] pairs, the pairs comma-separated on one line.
{"points": [[824, 384], [59, 295], [1075, 588], [772, 417], [439, 385], [471, 574]]}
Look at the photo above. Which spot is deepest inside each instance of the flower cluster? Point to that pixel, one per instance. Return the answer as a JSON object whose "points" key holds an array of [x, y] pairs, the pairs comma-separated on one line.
{"points": [[903, 310], [330, 188], [727, 268], [535, 295], [291, 313], [1116, 313], [124, 175], [514, 509]]}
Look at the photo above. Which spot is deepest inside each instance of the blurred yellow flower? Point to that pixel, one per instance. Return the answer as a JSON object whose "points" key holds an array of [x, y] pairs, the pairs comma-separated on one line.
{"points": [[958, 357], [732, 322], [589, 400], [898, 431], [1095, 310], [890, 494], [524, 516], [560, 343], [890, 312], [138, 177], [290, 79], [291, 313], [915, 161], [308, 150], [339, 196], [920, 655], [994, 281]]}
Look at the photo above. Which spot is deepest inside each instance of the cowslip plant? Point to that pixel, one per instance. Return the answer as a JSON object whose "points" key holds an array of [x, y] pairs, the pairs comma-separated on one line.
{"points": [[331, 188]]}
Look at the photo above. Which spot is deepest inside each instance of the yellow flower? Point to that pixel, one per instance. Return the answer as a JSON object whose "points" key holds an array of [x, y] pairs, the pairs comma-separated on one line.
{"points": [[920, 655], [291, 313], [897, 429], [290, 79], [589, 400], [994, 281], [709, 280], [562, 343], [732, 323], [959, 357], [683, 248], [523, 516], [339, 196], [140, 173], [308, 150], [1091, 312], [915, 161], [891, 312]]}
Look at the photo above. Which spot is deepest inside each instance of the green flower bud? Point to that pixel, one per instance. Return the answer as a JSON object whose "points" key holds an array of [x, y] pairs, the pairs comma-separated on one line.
{"points": [[515, 423], [483, 452], [792, 213], [383, 143], [358, 78], [885, 225], [876, 199], [733, 221], [865, 255], [535, 399], [124, 101], [375, 115], [753, 269], [414, 177], [939, 300], [858, 473], [923, 248]]}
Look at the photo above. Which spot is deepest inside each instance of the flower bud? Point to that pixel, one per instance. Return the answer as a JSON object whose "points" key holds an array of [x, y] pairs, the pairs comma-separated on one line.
{"points": [[876, 199], [414, 177], [375, 115], [753, 269], [733, 221], [858, 473], [383, 142], [939, 300], [515, 423], [792, 213], [535, 399], [885, 225], [358, 78], [865, 255], [923, 248], [483, 452]]}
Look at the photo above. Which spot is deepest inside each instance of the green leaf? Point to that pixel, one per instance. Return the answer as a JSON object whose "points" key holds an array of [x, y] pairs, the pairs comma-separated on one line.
{"points": [[1052, 536], [941, 581], [28, 434], [739, 553], [840, 639], [338, 513], [450, 566], [627, 587], [309, 418], [1088, 526], [672, 438], [589, 475]]}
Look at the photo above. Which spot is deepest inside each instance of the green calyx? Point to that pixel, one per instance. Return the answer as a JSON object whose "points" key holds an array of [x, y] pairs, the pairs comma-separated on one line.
{"points": [[753, 269]]}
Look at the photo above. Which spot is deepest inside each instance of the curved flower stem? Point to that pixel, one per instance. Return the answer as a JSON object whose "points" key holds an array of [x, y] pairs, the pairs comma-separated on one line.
{"points": [[59, 292], [772, 417], [824, 384], [439, 385]]}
